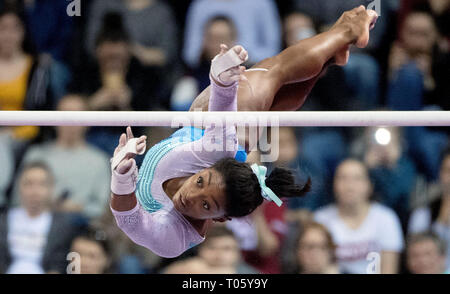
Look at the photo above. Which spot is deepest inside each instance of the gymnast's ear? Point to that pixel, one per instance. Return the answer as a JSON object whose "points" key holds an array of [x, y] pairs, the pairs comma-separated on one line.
{"points": [[222, 219]]}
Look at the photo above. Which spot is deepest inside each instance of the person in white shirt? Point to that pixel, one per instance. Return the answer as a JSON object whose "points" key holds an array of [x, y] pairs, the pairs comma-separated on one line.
{"points": [[368, 235], [33, 238]]}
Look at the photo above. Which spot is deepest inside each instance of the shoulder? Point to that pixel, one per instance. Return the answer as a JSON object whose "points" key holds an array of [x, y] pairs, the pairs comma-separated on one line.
{"points": [[381, 208], [13, 213], [384, 217], [326, 213], [382, 211]]}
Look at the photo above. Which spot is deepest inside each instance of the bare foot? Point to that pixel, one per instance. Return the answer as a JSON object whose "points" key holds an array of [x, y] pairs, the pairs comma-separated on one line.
{"points": [[359, 22]]}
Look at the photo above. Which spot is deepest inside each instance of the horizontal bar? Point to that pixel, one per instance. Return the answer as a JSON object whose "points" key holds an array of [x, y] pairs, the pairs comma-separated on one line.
{"points": [[271, 118]]}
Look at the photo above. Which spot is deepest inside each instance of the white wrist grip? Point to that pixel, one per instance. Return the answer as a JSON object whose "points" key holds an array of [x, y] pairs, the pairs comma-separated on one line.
{"points": [[125, 184]]}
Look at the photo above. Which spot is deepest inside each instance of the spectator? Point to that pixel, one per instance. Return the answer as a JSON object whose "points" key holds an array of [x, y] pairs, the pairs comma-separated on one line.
{"points": [[260, 237], [316, 251], [115, 81], [27, 81], [94, 249], [151, 25], [359, 226], [290, 155], [7, 164], [153, 34], [257, 25], [298, 26], [218, 254], [221, 251], [439, 9], [392, 171], [419, 70], [416, 59], [81, 171], [50, 27], [218, 30], [435, 215], [33, 238], [425, 254]]}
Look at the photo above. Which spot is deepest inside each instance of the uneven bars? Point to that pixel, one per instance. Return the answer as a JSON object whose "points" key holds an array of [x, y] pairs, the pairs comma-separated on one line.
{"points": [[271, 118]]}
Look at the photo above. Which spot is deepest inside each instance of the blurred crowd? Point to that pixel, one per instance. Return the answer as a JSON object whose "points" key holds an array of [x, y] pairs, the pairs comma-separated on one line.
{"points": [[381, 196]]}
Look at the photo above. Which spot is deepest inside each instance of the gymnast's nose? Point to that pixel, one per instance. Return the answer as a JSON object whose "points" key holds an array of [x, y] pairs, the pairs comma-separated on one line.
{"points": [[189, 201]]}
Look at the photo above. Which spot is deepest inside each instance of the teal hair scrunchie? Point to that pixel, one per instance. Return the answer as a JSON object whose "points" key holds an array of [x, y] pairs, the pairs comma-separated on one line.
{"points": [[267, 193]]}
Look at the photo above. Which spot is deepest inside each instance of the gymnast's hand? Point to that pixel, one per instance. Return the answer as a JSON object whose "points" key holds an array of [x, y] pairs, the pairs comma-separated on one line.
{"points": [[128, 161], [233, 74]]}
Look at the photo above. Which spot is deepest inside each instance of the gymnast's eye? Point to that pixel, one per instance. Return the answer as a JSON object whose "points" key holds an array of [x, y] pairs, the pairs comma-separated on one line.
{"points": [[205, 205], [200, 180]]}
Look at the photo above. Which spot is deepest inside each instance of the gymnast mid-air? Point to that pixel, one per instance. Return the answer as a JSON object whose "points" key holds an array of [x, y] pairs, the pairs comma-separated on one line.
{"points": [[181, 188]]}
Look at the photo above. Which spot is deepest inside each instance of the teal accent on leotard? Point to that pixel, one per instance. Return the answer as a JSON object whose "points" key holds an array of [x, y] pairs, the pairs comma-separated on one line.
{"points": [[156, 153]]}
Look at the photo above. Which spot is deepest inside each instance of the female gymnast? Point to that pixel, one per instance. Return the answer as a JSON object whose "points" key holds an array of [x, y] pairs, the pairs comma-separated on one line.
{"points": [[182, 188]]}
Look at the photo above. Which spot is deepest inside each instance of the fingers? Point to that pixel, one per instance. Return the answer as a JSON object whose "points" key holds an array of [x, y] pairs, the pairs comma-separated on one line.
{"points": [[122, 140], [223, 49], [141, 144], [238, 49], [129, 133], [241, 52], [124, 166]]}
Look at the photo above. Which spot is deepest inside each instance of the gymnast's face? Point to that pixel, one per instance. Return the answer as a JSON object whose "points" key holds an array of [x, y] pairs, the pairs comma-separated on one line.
{"points": [[202, 196]]}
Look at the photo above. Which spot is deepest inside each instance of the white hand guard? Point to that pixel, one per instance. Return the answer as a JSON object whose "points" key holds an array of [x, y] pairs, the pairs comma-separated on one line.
{"points": [[221, 64], [125, 184]]}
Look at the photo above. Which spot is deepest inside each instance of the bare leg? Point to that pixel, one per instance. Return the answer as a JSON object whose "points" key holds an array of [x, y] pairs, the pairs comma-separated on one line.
{"points": [[300, 64]]}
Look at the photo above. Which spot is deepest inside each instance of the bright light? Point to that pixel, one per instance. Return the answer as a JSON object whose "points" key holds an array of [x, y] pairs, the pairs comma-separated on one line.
{"points": [[383, 136]]}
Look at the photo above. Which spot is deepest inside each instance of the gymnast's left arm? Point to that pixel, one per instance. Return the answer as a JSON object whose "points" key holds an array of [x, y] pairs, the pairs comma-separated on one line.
{"points": [[160, 232]]}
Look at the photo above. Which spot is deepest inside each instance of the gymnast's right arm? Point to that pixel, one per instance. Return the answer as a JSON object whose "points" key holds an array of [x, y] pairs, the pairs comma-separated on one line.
{"points": [[159, 232]]}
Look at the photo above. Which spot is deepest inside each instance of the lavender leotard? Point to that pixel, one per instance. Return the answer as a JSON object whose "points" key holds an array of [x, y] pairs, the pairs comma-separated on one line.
{"points": [[154, 223]]}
